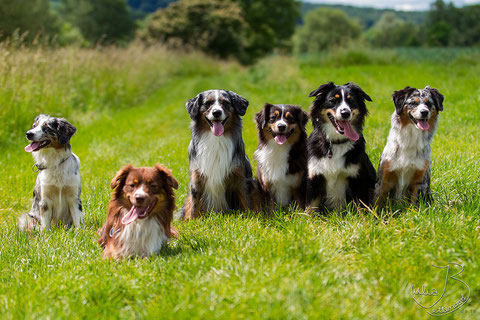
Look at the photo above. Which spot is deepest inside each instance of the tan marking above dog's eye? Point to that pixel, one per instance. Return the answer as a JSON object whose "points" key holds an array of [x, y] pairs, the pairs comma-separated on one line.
{"points": [[277, 113], [337, 96], [288, 115], [349, 97], [425, 99], [417, 100]]}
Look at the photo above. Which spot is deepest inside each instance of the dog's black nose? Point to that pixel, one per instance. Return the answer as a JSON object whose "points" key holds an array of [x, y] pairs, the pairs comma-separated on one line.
{"points": [[281, 127], [424, 113], [139, 198], [345, 114], [217, 113], [29, 135]]}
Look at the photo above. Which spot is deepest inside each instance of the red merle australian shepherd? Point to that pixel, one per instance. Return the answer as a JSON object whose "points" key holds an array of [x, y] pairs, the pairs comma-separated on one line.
{"points": [[220, 172], [339, 170], [139, 213], [404, 171], [282, 154]]}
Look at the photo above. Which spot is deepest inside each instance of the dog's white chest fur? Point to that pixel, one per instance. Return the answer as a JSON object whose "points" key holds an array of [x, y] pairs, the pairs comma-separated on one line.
{"points": [[59, 182], [273, 160], [143, 237], [407, 149], [215, 156], [335, 172]]}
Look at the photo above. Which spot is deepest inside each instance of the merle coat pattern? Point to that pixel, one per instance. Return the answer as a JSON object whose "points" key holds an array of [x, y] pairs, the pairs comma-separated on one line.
{"points": [[404, 169], [56, 196]]}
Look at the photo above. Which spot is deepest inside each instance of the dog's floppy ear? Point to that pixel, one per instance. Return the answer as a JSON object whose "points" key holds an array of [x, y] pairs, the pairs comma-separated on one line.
{"points": [[119, 180], [193, 105], [303, 118], [322, 90], [437, 96], [166, 174], [400, 97], [261, 117], [358, 91], [239, 104], [65, 131]]}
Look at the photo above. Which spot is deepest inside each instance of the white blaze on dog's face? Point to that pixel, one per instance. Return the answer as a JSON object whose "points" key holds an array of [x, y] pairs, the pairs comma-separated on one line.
{"points": [[49, 132], [215, 109], [281, 122], [340, 110]]}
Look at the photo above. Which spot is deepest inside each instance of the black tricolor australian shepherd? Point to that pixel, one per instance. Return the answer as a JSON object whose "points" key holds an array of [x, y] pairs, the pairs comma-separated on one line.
{"points": [[282, 154], [404, 170], [339, 169], [220, 172]]}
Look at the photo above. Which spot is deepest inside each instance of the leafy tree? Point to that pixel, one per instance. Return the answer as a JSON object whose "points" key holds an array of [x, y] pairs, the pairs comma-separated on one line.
{"points": [[442, 24], [391, 31], [271, 24], [105, 21], [29, 17], [325, 29], [216, 27]]}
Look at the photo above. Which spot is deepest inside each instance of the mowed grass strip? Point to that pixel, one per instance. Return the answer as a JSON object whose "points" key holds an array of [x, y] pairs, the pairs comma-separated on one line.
{"points": [[279, 264]]}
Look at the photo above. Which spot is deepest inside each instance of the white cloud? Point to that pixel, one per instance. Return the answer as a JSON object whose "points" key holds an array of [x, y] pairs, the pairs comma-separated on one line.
{"points": [[404, 5]]}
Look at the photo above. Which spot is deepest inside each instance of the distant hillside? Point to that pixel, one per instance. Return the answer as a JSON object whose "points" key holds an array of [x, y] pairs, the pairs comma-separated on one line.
{"points": [[369, 16]]}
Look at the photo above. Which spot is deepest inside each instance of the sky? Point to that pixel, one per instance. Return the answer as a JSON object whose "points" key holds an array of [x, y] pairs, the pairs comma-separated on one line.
{"points": [[405, 5]]}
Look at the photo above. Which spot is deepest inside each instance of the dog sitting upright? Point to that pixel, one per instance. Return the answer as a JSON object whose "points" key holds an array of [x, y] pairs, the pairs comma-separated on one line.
{"points": [[282, 154], [339, 169], [56, 196], [139, 213], [404, 170], [220, 172]]}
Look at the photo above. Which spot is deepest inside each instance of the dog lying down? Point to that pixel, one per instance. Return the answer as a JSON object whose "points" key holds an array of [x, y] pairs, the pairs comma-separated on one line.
{"points": [[139, 213]]}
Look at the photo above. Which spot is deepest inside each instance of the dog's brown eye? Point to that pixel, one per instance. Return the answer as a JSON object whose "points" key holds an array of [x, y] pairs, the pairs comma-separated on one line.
{"points": [[272, 119], [131, 185]]}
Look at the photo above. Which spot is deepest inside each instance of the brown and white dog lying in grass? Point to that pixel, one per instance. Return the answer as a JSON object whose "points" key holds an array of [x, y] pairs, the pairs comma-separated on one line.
{"points": [[139, 213], [282, 154], [404, 171]]}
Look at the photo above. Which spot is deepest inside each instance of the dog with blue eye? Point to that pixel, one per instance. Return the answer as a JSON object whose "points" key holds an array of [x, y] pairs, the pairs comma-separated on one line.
{"points": [[56, 196], [404, 170], [220, 171]]}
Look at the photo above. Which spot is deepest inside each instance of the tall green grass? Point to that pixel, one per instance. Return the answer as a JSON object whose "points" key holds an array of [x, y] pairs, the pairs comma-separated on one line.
{"points": [[353, 264], [81, 83]]}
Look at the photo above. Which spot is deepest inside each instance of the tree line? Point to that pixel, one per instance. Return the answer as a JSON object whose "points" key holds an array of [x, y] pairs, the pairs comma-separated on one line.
{"points": [[242, 29]]}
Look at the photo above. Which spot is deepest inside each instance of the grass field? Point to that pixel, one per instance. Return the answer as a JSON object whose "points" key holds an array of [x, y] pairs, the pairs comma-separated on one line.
{"points": [[347, 264]]}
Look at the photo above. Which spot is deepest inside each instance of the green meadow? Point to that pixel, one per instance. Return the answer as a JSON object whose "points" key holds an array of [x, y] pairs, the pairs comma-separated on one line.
{"points": [[129, 107]]}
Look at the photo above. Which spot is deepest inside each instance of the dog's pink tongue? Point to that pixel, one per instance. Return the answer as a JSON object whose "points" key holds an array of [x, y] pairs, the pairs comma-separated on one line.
{"points": [[132, 215], [423, 125], [348, 130], [217, 128], [280, 138], [32, 146]]}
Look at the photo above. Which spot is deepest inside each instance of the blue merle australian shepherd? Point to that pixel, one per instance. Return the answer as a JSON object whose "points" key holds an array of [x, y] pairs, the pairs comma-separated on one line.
{"points": [[339, 170], [220, 172], [56, 197]]}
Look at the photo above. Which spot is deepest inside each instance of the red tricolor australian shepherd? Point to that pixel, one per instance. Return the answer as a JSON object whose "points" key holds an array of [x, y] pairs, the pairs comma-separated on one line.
{"points": [[139, 213]]}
